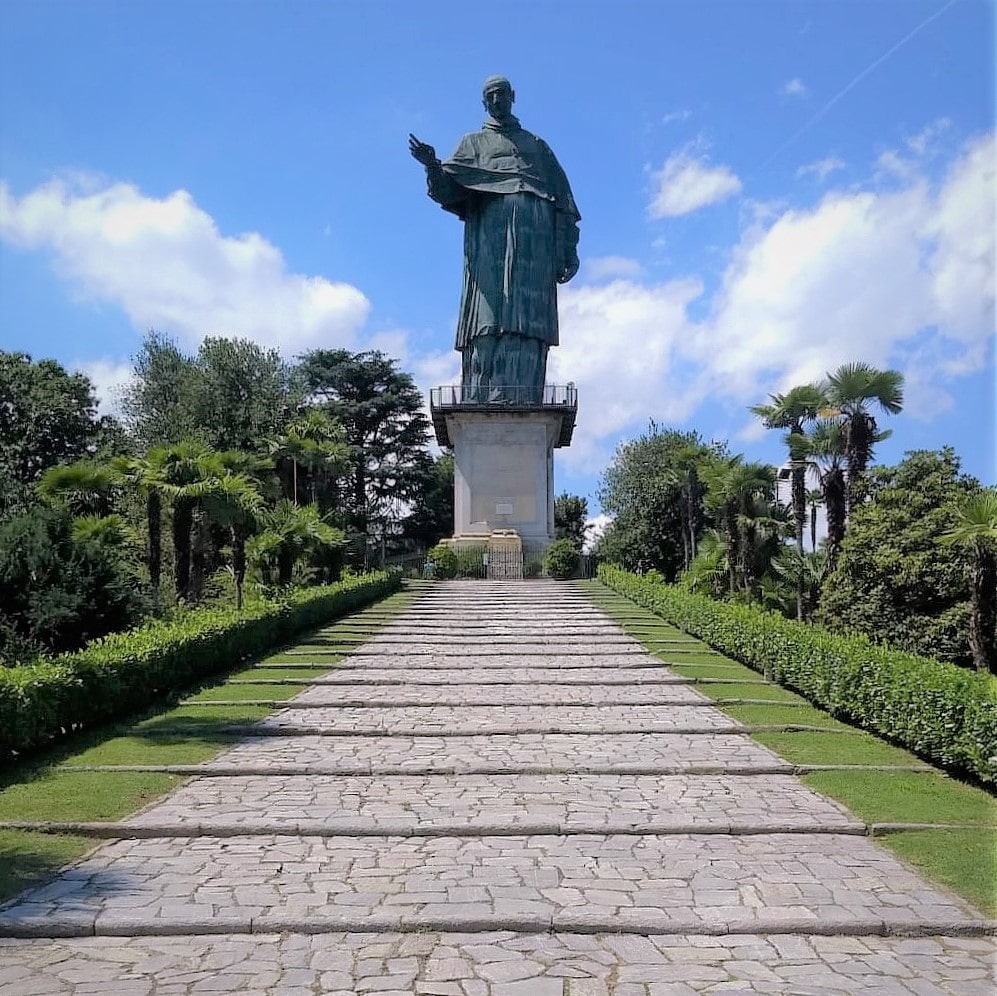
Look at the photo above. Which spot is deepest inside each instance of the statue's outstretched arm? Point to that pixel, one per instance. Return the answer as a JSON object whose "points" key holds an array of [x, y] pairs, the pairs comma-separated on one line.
{"points": [[441, 188]]}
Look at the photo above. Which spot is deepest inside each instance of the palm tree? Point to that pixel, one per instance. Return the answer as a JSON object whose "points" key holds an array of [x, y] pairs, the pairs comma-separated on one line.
{"points": [[739, 494], [86, 486], [807, 571], [827, 447], [792, 411], [850, 391], [815, 499], [975, 530], [182, 466], [232, 501], [145, 475], [314, 441], [290, 531]]}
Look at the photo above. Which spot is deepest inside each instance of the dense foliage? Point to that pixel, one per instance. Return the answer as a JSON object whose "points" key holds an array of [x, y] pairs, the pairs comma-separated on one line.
{"points": [[61, 586], [946, 714], [653, 492], [127, 671], [893, 581], [570, 515], [445, 562], [561, 559]]}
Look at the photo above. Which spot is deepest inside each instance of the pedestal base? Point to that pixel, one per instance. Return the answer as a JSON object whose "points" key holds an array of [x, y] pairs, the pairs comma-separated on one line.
{"points": [[504, 472]]}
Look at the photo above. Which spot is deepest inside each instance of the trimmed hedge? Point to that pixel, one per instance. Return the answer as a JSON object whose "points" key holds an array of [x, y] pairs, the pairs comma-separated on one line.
{"points": [[125, 672], [941, 712]]}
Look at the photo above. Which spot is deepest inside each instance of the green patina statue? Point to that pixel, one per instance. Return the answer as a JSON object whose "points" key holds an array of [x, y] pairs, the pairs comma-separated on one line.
{"points": [[520, 241]]}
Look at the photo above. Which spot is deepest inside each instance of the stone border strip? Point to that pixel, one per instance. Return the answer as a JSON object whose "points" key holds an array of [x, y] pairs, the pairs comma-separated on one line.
{"points": [[359, 679], [125, 829], [111, 925], [244, 730], [693, 770], [348, 703]]}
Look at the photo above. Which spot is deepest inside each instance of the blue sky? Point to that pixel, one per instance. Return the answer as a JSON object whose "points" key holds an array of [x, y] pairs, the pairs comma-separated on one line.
{"points": [[768, 189]]}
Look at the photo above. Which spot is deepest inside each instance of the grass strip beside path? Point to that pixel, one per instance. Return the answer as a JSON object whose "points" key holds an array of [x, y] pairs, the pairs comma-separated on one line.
{"points": [[39, 789], [964, 860]]}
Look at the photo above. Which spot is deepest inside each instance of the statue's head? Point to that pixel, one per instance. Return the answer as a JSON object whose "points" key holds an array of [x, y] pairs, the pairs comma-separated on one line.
{"points": [[498, 96]]}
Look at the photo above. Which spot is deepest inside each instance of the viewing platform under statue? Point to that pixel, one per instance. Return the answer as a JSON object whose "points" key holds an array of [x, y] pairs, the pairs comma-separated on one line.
{"points": [[503, 440]]}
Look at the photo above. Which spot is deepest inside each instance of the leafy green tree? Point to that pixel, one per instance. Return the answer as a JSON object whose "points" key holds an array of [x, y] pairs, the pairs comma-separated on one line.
{"points": [[975, 531], [62, 583], [432, 517], [231, 395], [47, 417], [381, 412], [852, 391], [243, 395], [892, 580], [158, 404], [647, 490], [570, 515]]}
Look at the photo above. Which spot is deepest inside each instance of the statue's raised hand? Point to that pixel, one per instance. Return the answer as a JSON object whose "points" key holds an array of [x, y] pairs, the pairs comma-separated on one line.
{"points": [[422, 152]]}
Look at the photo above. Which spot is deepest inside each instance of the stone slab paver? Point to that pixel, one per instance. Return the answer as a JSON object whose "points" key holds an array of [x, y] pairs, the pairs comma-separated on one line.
{"points": [[501, 752], [503, 675], [569, 801], [549, 693], [609, 881], [442, 719], [487, 964]]}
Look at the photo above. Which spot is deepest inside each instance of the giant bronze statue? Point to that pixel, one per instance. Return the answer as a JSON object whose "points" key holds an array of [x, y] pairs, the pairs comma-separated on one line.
{"points": [[520, 241]]}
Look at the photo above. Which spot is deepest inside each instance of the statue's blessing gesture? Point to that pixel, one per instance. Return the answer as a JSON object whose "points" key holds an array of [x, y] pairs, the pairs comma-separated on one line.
{"points": [[520, 241]]}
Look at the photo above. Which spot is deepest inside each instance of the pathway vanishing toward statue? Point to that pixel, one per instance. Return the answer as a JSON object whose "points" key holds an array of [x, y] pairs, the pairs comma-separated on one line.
{"points": [[500, 794]]}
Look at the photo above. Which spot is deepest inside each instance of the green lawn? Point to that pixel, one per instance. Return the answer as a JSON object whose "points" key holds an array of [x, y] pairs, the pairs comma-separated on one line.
{"points": [[963, 860]]}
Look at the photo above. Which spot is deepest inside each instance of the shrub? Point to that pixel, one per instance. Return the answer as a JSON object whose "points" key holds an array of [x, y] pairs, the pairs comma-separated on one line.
{"points": [[128, 671], [561, 559], [444, 560], [58, 590], [942, 712]]}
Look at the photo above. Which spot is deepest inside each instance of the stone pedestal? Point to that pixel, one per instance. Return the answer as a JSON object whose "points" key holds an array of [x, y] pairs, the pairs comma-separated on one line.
{"points": [[504, 462], [504, 472]]}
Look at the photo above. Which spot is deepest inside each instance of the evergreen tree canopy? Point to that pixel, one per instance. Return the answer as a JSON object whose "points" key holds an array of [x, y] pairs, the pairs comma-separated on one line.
{"points": [[380, 410], [893, 581], [47, 416]]}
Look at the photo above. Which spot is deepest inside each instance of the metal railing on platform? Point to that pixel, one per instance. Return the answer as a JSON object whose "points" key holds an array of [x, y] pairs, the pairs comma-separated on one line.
{"points": [[460, 395]]}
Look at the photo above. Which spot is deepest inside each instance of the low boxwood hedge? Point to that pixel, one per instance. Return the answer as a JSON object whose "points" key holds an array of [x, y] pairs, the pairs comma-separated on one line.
{"points": [[124, 672], [943, 713]]}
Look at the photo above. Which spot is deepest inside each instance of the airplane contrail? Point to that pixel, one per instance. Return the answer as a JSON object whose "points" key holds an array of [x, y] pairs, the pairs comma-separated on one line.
{"points": [[875, 64]]}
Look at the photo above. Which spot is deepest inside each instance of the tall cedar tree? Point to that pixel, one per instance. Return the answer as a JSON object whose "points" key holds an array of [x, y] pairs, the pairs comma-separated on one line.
{"points": [[380, 410]]}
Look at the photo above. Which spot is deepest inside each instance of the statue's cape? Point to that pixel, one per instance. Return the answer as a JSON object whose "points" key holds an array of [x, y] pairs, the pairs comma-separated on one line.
{"points": [[504, 158]]}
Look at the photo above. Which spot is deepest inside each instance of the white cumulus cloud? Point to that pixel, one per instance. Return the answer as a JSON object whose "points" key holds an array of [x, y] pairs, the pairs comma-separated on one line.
{"points": [[900, 277], [794, 88], [164, 262], [686, 183]]}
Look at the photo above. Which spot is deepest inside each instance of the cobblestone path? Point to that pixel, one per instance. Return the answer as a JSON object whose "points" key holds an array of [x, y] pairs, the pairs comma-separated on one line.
{"points": [[499, 794]]}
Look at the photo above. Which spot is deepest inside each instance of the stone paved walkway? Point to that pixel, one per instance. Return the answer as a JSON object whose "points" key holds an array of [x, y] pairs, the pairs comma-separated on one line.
{"points": [[500, 794]]}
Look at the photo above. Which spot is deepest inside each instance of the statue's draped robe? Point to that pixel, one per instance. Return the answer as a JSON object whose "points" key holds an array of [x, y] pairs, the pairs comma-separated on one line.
{"points": [[520, 231]]}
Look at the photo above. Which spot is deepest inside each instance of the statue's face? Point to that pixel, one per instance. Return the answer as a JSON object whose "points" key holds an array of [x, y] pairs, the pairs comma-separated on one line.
{"points": [[498, 100]]}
